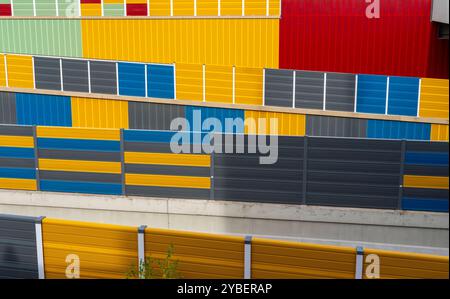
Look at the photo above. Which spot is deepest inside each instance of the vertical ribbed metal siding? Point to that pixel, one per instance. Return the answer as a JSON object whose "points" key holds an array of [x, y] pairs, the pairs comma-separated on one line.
{"points": [[340, 92], [103, 77], [372, 91], [403, 96], [328, 126], [18, 254], [309, 89], [220, 113], [75, 75], [149, 116], [278, 88], [398, 130], [8, 108], [47, 73]]}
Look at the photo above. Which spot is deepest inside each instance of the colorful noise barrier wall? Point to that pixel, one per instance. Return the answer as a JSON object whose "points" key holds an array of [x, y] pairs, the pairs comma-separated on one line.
{"points": [[74, 111], [364, 173], [44, 247], [406, 96]]}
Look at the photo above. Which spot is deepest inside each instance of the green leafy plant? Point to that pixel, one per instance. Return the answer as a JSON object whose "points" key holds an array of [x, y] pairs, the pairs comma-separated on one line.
{"points": [[152, 268]]}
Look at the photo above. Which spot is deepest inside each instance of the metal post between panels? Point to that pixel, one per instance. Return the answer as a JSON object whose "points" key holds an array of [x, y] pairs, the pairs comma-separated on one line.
{"points": [[39, 247], [79, 8], [34, 8], [324, 91], [101, 5], [219, 8], [356, 94], [248, 257], [171, 8], [267, 7], [117, 78], [305, 169], [34, 72], [359, 262], [145, 80], [141, 247], [61, 74], [419, 96], [402, 172], [148, 7], [57, 8], [387, 95], [293, 88], [174, 81], [195, 8], [243, 7], [124, 8], [12, 8]]}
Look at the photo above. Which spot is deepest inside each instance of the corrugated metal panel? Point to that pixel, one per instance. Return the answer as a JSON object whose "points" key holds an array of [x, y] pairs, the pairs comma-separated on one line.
{"points": [[160, 81], [149, 116], [50, 39], [287, 124], [136, 9], [75, 75], [2, 71], [341, 38], [335, 126], [95, 113], [47, 73], [402, 265], [340, 92], [76, 133], [427, 182], [5, 10], [278, 87], [183, 7], [248, 86], [199, 255], [45, 8], [221, 114], [398, 130], [207, 8], [309, 89], [372, 91], [159, 8], [131, 79], [68, 9], [8, 108], [113, 10], [23, 8], [35, 109], [18, 247], [242, 177], [434, 98], [353, 172], [189, 82], [105, 251], [273, 259], [20, 71], [439, 132], [219, 84], [91, 9], [241, 42], [103, 77], [403, 96]]}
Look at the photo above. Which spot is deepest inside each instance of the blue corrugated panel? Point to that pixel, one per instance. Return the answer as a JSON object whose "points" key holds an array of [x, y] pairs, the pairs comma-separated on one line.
{"points": [[371, 96], [131, 79], [196, 117], [398, 130], [154, 136], [45, 110], [403, 96], [420, 204], [79, 144], [16, 152], [17, 173], [424, 158], [160, 81], [81, 187]]}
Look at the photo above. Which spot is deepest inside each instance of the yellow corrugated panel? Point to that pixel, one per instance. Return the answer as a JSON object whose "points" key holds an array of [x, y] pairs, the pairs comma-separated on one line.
{"points": [[249, 86], [159, 8], [189, 82], [255, 7], [429, 182], [199, 255], [104, 251], [113, 1], [20, 184], [95, 113], [183, 7], [434, 98], [91, 9], [409, 265], [231, 7], [80, 166], [242, 42], [274, 7], [78, 133], [168, 159], [2, 71], [207, 7], [167, 181], [439, 132], [288, 124], [20, 71], [16, 141], [219, 84], [273, 259]]}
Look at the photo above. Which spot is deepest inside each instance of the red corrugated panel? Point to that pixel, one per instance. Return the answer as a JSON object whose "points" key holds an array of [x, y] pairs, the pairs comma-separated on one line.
{"points": [[5, 10], [91, 1], [336, 35], [136, 9], [438, 58]]}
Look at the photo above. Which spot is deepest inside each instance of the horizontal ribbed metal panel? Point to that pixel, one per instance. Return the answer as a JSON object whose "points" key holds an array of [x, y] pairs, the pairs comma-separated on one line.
{"points": [[328, 126], [403, 96], [278, 88], [160, 81], [7, 108], [132, 79], [47, 73], [151, 116], [10, 130], [222, 114], [309, 89], [103, 77], [398, 130], [372, 92], [75, 75], [340, 92], [18, 258]]}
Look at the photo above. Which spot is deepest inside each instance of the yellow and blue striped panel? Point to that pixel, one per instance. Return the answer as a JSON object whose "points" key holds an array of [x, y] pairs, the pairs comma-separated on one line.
{"points": [[80, 160], [17, 158], [425, 180], [152, 169]]}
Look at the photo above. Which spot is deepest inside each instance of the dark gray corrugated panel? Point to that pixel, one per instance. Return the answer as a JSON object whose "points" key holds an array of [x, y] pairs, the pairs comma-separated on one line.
{"points": [[103, 77], [167, 170], [242, 177], [47, 73], [8, 114], [22, 163], [426, 146], [75, 75], [340, 92], [16, 130], [309, 88], [167, 192], [80, 176], [18, 255], [150, 116], [353, 172], [329, 126], [80, 155], [278, 88]]}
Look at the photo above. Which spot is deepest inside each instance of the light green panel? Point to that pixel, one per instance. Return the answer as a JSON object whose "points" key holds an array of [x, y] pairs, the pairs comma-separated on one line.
{"points": [[113, 10], [69, 8], [5, 2], [23, 8], [46, 8], [41, 37]]}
